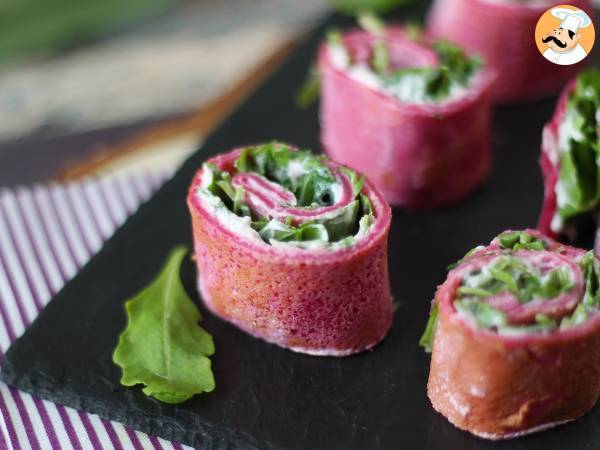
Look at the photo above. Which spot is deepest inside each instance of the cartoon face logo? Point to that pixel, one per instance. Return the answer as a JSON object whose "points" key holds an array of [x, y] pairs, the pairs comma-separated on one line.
{"points": [[560, 33], [561, 40]]}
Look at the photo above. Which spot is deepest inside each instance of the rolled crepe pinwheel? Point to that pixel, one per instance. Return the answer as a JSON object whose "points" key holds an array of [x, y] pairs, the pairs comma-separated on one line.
{"points": [[292, 248], [570, 161], [413, 114], [502, 32], [515, 333]]}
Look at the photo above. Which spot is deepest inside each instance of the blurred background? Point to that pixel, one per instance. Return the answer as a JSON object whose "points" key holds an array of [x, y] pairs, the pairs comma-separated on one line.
{"points": [[93, 87]]}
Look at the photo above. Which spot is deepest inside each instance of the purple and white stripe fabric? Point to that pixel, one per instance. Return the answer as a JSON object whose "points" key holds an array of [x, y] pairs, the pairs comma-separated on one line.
{"points": [[46, 234]]}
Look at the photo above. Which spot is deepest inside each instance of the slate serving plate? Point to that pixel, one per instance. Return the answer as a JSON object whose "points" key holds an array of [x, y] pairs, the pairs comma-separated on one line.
{"points": [[267, 397]]}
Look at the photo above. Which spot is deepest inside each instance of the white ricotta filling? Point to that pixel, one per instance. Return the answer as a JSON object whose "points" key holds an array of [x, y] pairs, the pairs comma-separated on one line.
{"points": [[295, 170]]}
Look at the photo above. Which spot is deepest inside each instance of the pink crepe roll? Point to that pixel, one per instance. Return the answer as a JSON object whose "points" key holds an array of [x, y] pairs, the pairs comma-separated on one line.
{"points": [[515, 337], [297, 254], [550, 164], [420, 152], [570, 163], [502, 32]]}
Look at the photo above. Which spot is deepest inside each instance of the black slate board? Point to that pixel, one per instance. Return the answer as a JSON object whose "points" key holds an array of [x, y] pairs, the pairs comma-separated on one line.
{"points": [[267, 397]]}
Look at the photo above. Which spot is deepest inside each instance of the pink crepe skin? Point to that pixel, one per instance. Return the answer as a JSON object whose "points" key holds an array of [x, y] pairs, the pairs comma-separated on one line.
{"points": [[420, 156], [330, 302]]}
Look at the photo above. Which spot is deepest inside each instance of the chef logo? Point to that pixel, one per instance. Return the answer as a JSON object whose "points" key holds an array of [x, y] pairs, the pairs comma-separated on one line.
{"points": [[564, 35]]}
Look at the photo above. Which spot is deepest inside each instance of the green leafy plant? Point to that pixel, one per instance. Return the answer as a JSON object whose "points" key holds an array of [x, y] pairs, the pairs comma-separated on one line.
{"points": [[163, 347]]}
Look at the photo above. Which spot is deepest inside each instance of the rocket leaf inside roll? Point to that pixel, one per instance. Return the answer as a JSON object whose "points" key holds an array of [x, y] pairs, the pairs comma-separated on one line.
{"points": [[523, 283], [574, 156], [289, 197], [445, 76]]}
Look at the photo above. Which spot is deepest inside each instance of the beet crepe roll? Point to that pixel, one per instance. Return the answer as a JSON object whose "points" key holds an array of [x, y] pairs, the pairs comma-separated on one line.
{"points": [[412, 113], [515, 332], [502, 32], [292, 248], [570, 161]]}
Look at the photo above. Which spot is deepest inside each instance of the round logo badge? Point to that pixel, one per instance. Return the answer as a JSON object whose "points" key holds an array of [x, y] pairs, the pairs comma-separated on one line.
{"points": [[564, 35]]}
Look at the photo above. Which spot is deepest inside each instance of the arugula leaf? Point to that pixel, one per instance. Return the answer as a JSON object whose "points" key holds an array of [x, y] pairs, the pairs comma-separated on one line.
{"points": [[366, 206], [591, 274], [371, 23], [579, 316], [510, 274], [285, 232], [414, 31], [504, 277], [555, 283], [458, 63], [310, 90], [579, 171], [313, 184], [356, 181], [428, 336], [380, 57], [273, 160], [352, 7], [334, 37], [163, 347], [455, 69], [344, 223], [464, 258], [221, 186], [485, 315], [380, 60], [520, 240], [473, 291]]}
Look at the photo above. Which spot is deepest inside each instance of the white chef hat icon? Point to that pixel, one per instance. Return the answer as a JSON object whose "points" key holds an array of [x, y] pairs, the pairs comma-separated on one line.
{"points": [[571, 19]]}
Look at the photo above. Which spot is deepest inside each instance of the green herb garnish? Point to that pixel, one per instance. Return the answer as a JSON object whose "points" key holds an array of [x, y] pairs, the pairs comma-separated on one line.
{"points": [[163, 347]]}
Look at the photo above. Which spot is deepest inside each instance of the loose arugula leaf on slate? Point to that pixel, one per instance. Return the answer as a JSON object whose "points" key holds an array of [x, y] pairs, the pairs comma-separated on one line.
{"points": [[163, 347]]}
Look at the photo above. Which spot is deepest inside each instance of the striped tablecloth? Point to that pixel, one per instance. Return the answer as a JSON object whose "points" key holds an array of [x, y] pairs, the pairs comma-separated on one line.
{"points": [[46, 234]]}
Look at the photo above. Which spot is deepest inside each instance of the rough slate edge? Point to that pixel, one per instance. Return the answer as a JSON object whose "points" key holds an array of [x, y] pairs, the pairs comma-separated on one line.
{"points": [[205, 434]]}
